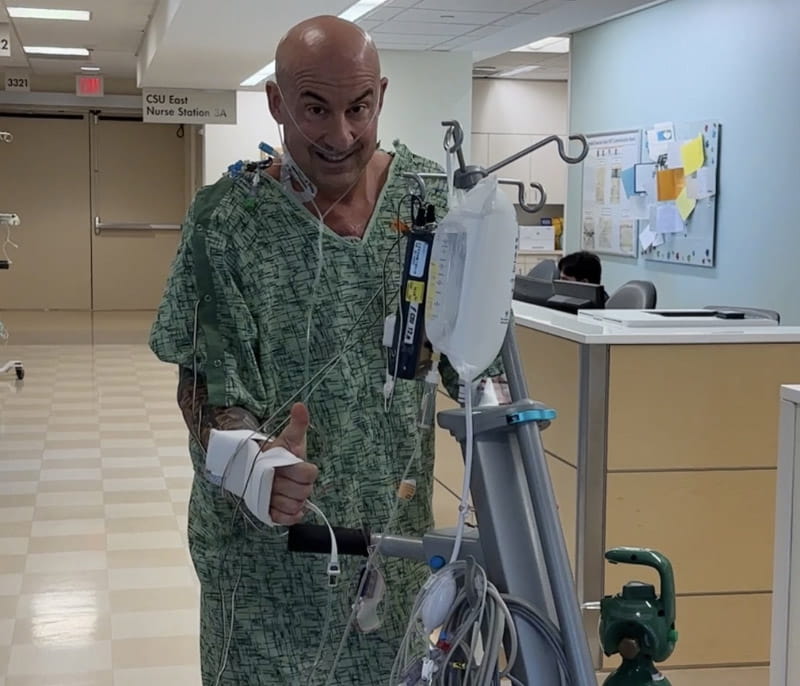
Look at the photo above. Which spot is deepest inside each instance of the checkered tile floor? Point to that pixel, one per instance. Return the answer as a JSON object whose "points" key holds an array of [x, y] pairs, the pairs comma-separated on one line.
{"points": [[96, 586]]}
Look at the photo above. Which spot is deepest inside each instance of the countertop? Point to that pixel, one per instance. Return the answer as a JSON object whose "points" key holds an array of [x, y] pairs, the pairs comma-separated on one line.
{"points": [[791, 393], [572, 328]]}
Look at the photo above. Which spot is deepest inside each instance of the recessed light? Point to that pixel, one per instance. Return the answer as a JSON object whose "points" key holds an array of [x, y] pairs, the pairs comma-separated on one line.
{"points": [[63, 52], [517, 70], [37, 13], [549, 44], [352, 13]]}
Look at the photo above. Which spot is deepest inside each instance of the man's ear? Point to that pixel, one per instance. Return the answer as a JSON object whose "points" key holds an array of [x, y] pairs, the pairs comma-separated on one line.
{"points": [[384, 84], [275, 102]]}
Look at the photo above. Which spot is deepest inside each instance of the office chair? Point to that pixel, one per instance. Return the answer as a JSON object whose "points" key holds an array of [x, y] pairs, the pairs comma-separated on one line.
{"points": [[749, 312], [633, 295], [546, 270]]}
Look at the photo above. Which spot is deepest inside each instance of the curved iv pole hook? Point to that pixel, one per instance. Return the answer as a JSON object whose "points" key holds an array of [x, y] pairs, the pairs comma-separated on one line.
{"points": [[524, 206]]}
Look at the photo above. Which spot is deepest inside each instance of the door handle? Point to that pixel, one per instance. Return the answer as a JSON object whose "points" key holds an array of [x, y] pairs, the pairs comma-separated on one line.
{"points": [[100, 226]]}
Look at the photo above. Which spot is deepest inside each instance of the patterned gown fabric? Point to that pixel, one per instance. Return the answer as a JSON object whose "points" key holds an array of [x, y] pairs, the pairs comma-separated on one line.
{"points": [[246, 270]]}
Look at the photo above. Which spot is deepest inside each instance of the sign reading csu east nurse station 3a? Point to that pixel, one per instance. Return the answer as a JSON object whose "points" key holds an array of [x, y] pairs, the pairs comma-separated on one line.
{"points": [[180, 106]]}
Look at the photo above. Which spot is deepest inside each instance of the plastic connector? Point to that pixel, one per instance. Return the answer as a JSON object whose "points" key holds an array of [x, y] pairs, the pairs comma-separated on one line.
{"points": [[427, 408]]}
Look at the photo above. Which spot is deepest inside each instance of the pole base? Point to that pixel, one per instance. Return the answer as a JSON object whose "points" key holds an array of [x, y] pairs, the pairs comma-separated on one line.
{"points": [[637, 672]]}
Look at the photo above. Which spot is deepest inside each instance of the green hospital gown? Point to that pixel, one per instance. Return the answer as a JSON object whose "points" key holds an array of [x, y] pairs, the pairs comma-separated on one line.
{"points": [[246, 265]]}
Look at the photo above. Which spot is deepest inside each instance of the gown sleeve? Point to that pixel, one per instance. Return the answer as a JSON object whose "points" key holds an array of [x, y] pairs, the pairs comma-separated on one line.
{"points": [[203, 321]]}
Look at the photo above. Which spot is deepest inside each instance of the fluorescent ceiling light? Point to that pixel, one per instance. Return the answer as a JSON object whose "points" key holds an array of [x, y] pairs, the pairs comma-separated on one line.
{"points": [[550, 44], [362, 7], [352, 13], [261, 75], [64, 52], [517, 70], [36, 13], [90, 68]]}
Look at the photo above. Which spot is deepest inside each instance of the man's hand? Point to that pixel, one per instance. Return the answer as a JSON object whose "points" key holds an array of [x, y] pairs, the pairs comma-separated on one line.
{"points": [[292, 486]]}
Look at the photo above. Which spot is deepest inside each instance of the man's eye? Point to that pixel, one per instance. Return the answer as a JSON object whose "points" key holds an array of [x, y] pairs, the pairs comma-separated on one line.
{"points": [[316, 110]]}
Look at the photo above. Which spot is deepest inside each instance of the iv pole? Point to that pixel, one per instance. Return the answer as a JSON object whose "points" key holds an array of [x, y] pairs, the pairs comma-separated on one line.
{"points": [[520, 542]]}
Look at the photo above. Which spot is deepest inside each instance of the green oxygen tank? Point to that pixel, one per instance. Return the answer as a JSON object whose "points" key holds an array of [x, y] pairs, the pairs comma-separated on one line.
{"points": [[638, 624]]}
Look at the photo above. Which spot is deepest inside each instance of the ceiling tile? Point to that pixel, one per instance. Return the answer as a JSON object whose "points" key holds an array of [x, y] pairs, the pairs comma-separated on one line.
{"points": [[439, 16], [544, 6], [382, 13], [401, 3], [495, 6], [484, 31], [368, 25], [419, 28]]}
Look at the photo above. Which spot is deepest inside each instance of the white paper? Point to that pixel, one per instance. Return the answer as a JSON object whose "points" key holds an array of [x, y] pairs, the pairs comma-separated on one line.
{"points": [[692, 187], [658, 240], [646, 237], [640, 207], [674, 159], [668, 219], [645, 180], [706, 183], [659, 138]]}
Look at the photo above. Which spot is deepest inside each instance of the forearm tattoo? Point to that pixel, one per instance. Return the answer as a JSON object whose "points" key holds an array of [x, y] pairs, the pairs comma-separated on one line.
{"points": [[200, 417]]}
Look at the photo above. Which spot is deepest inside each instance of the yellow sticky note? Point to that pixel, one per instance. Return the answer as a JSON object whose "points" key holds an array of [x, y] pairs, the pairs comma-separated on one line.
{"points": [[693, 155], [685, 204]]}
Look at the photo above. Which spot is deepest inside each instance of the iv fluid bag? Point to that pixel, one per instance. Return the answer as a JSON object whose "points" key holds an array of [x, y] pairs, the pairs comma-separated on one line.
{"points": [[471, 279]]}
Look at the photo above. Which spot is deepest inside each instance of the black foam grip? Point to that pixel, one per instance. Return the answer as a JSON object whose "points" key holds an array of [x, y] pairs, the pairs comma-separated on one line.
{"points": [[315, 538]]}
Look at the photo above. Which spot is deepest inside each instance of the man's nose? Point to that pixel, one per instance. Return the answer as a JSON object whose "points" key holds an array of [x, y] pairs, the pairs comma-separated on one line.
{"points": [[340, 135]]}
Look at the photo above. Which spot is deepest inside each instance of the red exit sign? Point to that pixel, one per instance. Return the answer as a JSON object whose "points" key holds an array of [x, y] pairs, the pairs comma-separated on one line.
{"points": [[89, 86]]}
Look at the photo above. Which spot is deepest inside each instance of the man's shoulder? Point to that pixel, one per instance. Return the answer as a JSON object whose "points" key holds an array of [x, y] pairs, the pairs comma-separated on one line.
{"points": [[414, 161]]}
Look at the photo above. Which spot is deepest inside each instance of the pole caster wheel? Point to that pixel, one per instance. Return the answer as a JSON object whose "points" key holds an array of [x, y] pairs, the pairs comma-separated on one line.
{"points": [[20, 372]]}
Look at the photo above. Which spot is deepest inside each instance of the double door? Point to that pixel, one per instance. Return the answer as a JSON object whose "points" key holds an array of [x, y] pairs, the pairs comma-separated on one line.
{"points": [[100, 198]]}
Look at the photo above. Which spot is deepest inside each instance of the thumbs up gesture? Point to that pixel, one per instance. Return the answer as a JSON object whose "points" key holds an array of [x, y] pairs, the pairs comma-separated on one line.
{"points": [[292, 485]]}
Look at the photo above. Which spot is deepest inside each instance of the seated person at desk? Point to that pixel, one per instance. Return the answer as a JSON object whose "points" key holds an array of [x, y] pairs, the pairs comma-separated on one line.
{"points": [[582, 266]]}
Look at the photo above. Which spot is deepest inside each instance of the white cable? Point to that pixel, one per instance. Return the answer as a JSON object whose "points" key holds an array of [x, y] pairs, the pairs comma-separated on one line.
{"points": [[227, 641], [8, 242], [333, 562], [463, 507]]}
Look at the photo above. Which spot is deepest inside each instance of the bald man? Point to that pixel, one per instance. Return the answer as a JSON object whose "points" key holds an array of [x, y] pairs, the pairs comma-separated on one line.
{"points": [[277, 294]]}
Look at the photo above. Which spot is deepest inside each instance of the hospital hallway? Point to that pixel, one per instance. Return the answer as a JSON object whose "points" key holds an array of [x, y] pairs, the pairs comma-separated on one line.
{"points": [[96, 585]]}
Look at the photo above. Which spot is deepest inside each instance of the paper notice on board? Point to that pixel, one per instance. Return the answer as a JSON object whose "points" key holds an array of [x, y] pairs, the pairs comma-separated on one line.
{"points": [[646, 237], [674, 159], [645, 179], [628, 178], [685, 205], [692, 155], [670, 183], [659, 138], [668, 219], [706, 183], [658, 240], [640, 207]]}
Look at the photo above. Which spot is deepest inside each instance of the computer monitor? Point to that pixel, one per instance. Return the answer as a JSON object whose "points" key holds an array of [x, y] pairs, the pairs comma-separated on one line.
{"points": [[529, 289], [571, 296]]}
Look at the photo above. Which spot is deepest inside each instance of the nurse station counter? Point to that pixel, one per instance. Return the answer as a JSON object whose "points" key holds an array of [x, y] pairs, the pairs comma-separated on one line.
{"points": [[666, 438]]}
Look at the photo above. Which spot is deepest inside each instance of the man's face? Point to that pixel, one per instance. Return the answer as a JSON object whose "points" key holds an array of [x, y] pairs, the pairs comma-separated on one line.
{"points": [[330, 118]]}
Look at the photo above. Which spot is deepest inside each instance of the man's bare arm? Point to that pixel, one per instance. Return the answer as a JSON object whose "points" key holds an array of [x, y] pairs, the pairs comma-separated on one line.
{"points": [[199, 417]]}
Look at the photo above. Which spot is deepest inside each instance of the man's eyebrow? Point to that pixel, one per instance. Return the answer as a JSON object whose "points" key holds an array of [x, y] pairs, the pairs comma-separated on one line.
{"points": [[366, 94], [313, 96]]}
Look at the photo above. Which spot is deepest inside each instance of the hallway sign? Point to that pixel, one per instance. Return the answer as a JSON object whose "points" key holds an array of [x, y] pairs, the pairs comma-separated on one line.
{"points": [[182, 106]]}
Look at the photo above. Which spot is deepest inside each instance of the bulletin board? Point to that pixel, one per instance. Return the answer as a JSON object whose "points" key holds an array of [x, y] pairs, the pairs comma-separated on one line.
{"points": [[610, 221], [678, 176]]}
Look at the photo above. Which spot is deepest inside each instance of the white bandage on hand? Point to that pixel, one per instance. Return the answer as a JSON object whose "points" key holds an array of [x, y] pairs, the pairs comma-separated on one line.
{"points": [[235, 462]]}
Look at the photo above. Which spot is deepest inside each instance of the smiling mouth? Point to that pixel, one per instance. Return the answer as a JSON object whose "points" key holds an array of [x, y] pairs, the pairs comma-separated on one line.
{"points": [[332, 158]]}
